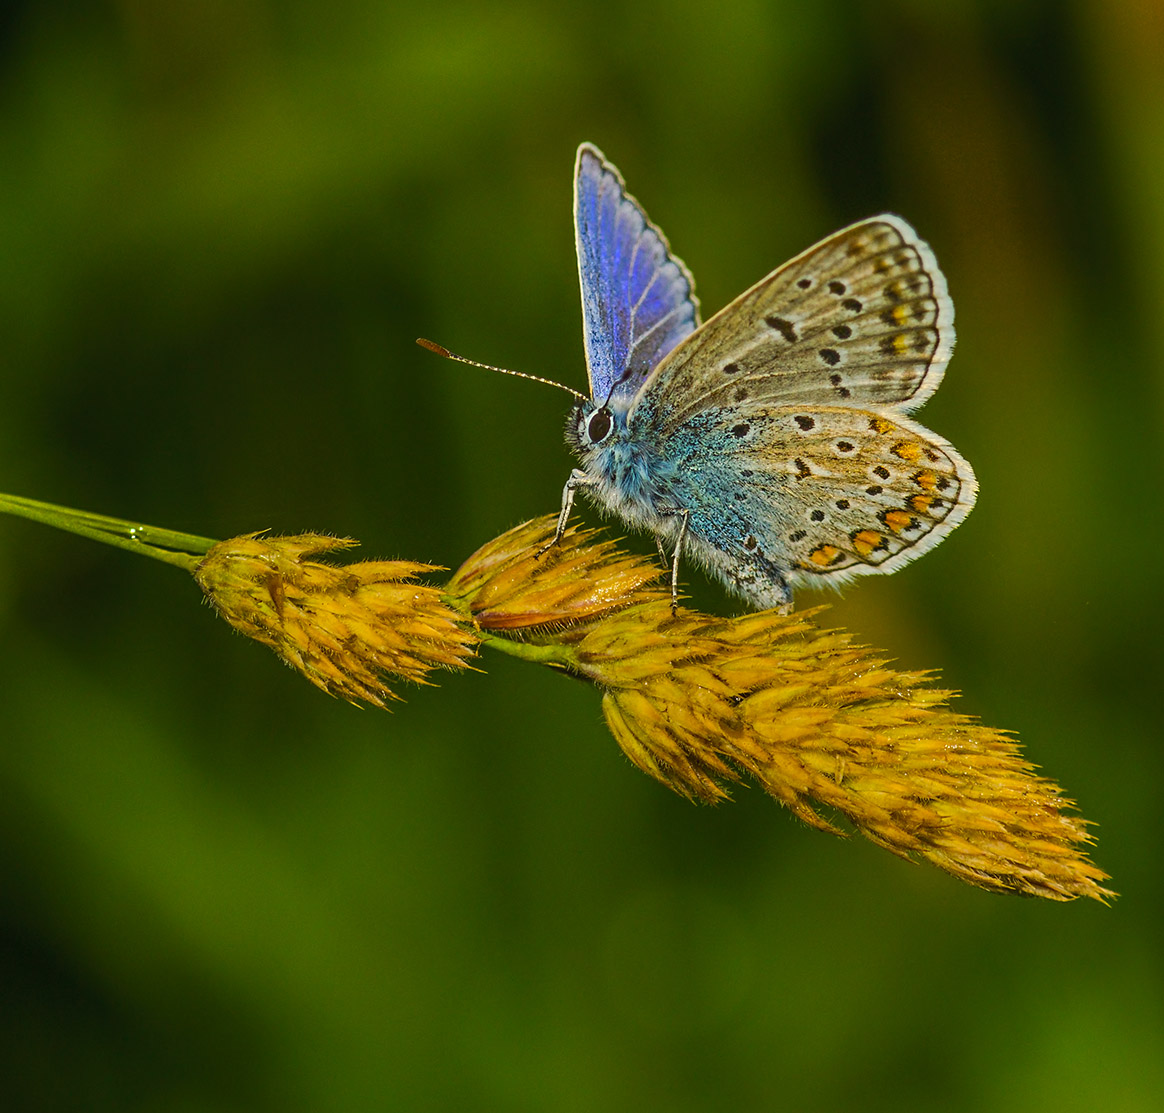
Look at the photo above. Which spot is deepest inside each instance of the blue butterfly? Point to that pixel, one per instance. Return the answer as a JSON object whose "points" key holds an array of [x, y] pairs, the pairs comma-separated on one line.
{"points": [[771, 444]]}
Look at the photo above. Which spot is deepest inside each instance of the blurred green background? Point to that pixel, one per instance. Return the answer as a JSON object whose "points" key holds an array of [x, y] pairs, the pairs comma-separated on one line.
{"points": [[222, 224]]}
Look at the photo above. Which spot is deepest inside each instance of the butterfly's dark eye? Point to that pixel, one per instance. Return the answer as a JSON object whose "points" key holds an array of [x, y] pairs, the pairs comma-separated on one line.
{"points": [[599, 426]]}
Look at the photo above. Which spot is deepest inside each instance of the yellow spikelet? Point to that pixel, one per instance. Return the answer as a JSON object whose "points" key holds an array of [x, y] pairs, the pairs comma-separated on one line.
{"points": [[514, 583], [344, 627]]}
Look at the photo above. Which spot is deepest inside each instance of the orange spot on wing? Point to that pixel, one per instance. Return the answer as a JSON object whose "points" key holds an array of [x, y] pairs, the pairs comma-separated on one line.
{"points": [[926, 480], [909, 451], [826, 556], [897, 520], [922, 503], [880, 425], [867, 541]]}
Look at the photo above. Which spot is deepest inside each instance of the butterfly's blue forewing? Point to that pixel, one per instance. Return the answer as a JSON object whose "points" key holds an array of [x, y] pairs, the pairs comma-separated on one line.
{"points": [[638, 300]]}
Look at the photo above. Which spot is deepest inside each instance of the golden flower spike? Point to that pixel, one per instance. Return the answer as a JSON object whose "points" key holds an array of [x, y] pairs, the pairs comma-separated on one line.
{"points": [[697, 702]]}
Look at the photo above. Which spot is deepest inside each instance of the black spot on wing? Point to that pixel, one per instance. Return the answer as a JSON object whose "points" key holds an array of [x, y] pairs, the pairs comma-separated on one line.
{"points": [[783, 326]]}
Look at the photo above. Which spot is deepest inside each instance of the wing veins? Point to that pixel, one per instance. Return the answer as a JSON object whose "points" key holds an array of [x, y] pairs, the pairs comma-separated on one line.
{"points": [[657, 325]]}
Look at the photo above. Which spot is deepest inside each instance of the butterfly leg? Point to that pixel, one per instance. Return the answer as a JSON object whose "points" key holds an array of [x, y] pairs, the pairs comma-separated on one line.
{"points": [[578, 478], [683, 516]]}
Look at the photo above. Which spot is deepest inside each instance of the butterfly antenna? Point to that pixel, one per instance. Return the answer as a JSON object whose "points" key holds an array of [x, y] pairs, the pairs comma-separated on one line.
{"points": [[443, 351]]}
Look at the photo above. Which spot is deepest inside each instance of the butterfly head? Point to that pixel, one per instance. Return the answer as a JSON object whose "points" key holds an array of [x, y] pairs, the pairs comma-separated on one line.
{"points": [[589, 426]]}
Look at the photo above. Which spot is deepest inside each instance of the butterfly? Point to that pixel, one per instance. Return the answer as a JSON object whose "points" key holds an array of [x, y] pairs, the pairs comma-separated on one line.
{"points": [[771, 444]]}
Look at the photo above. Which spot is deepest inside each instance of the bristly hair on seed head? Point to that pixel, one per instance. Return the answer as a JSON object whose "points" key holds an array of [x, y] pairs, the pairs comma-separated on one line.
{"points": [[441, 350]]}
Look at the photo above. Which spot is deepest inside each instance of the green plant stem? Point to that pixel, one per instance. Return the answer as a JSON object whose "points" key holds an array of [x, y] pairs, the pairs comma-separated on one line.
{"points": [[555, 655], [183, 549]]}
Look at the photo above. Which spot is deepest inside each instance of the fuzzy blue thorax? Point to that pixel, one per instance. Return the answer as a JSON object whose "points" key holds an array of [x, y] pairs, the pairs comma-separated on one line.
{"points": [[628, 476]]}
